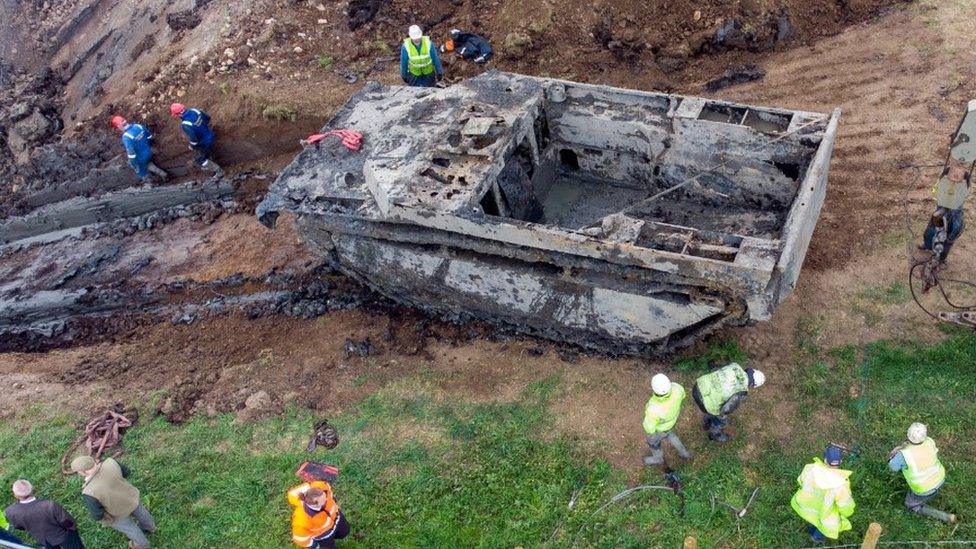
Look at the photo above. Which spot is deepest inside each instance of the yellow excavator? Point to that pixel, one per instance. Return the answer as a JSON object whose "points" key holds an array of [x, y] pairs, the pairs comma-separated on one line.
{"points": [[946, 223]]}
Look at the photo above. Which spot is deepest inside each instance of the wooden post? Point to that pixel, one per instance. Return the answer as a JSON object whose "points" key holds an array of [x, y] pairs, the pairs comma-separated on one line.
{"points": [[871, 536], [691, 543]]}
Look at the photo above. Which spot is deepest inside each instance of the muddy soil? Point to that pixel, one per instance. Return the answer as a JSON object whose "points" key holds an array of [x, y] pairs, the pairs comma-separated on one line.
{"points": [[901, 79]]}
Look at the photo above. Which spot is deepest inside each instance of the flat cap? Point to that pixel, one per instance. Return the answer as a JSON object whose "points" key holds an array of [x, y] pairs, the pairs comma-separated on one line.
{"points": [[82, 463]]}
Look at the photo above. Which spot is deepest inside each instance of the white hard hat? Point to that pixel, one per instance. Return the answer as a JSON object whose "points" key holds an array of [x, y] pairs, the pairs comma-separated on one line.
{"points": [[415, 33], [917, 433], [660, 384], [758, 378]]}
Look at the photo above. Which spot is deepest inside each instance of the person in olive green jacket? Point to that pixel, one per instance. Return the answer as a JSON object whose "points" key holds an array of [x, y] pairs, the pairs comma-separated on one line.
{"points": [[112, 500], [660, 415]]}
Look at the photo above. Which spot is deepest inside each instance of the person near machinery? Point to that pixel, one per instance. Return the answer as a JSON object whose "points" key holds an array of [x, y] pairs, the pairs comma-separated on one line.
{"points": [[952, 189], [719, 393], [470, 46], [420, 65], [112, 500], [46, 521], [660, 416], [918, 460], [316, 519], [196, 125], [135, 139], [824, 498]]}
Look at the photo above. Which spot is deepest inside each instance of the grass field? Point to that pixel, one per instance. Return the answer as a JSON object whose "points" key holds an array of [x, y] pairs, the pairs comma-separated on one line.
{"points": [[421, 471]]}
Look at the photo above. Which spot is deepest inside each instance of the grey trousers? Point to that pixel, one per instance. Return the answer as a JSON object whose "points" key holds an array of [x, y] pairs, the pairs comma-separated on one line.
{"points": [[657, 453], [915, 501], [135, 526]]}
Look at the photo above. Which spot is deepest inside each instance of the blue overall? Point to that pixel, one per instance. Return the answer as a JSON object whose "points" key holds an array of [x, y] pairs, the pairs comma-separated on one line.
{"points": [[136, 138], [196, 125]]}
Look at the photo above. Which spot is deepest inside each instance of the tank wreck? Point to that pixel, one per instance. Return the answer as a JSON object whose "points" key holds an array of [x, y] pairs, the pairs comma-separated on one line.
{"points": [[625, 221]]}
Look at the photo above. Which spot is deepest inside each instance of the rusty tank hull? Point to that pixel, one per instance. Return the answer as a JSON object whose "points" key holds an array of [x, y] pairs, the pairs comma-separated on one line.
{"points": [[624, 221]]}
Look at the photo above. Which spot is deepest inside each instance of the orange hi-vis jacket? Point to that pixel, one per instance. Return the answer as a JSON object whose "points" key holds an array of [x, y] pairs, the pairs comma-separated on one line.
{"points": [[307, 529]]}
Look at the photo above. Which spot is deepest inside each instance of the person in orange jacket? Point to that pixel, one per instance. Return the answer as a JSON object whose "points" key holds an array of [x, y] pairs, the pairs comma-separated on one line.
{"points": [[316, 521]]}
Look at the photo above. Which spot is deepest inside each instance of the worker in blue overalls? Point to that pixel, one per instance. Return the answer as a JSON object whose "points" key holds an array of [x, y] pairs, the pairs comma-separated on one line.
{"points": [[135, 138], [196, 125]]}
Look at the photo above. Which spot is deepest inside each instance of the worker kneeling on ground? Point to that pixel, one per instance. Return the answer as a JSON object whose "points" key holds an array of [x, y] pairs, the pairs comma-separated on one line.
{"points": [[824, 498], [316, 521], [469, 45], [919, 462], [112, 500], [419, 64], [660, 416], [196, 125], [135, 139], [719, 393]]}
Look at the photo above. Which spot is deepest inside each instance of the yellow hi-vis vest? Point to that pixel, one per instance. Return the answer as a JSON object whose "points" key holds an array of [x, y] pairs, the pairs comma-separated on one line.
{"points": [[824, 498], [924, 472], [419, 62], [718, 386], [661, 412]]}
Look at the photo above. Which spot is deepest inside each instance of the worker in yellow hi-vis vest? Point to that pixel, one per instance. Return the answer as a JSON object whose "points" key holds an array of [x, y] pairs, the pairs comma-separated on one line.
{"points": [[719, 393], [824, 499], [919, 462], [419, 63], [660, 416]]}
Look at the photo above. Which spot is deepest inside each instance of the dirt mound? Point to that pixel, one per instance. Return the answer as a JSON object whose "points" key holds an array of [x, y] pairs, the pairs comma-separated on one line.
{"points": [[30, 105], [566, 36]]}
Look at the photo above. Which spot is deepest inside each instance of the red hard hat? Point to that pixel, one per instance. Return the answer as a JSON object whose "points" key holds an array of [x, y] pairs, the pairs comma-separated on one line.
{"points": [[176, 109], [118, 122]]}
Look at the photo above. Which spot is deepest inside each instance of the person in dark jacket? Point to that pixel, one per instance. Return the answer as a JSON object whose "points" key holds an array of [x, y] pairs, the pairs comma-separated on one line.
{"points": [[46, 521], [196, 125], [470, 46]]}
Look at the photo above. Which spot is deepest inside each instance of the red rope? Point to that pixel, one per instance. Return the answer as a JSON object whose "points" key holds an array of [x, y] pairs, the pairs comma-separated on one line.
{"points": [[351, 139]]}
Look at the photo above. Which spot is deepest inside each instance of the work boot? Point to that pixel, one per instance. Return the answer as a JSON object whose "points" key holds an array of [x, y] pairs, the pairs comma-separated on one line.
{"points": [[157, 170], [212, 166], [930, 512], [653, 460], [719, 436]]}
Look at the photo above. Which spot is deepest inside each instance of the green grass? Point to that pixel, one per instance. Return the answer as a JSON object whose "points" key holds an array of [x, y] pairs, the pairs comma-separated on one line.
{"points": [[324, 61], [872, 301], [721, 350], [421, 471], [280, 113]]}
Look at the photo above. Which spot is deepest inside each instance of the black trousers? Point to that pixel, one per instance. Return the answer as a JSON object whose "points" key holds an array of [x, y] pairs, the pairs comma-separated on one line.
{"points": [[7, 536], [712, 424], [341, 531], [71, 541], [203, 153]]}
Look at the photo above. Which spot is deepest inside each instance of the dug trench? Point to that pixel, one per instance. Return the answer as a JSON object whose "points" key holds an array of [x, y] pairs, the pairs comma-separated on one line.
{"points": [[224, 362]]}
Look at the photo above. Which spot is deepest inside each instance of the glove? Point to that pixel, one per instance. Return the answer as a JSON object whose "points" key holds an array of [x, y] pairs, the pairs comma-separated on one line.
{"points": [[480, 59]]}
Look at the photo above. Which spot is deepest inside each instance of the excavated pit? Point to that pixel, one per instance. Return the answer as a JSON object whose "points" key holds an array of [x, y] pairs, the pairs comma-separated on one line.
{"points": [[626, 221]]}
